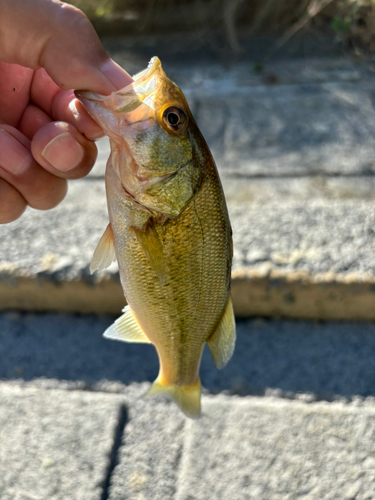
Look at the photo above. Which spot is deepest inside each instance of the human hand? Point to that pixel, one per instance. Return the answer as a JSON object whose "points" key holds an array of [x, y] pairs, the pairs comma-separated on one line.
{"points": [[47, 48]]}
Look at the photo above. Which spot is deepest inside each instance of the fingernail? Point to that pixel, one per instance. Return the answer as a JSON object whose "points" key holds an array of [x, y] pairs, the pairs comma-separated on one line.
{"points": [[115, 74], [14, 157], [63, 152]]}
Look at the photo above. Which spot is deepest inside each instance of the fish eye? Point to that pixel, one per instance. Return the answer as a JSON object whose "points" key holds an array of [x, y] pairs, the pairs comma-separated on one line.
{"points": [[174, 118]]}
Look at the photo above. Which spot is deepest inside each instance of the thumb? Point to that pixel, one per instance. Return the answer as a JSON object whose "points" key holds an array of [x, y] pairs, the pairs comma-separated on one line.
{"points": [[59, 38]]}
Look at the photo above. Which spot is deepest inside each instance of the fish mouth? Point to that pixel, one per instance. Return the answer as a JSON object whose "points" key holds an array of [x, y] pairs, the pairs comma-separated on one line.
{"points": [[141, 91]]}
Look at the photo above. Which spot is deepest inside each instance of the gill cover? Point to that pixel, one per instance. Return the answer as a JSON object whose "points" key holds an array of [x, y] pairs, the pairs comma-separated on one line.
{"points": [[153, 140]]}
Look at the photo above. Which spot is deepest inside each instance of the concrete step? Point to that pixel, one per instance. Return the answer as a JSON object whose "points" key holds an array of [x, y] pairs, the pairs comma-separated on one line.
{"points": [[308, 258], [296, 157]]}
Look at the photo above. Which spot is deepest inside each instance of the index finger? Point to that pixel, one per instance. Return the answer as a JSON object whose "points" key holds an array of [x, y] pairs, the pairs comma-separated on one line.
{"points": [[62, 105]]}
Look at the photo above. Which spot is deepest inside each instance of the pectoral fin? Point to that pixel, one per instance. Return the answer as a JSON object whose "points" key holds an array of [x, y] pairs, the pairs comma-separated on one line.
{"points": [[152, 247], [126, 329], [221, 342], [104, 253]]}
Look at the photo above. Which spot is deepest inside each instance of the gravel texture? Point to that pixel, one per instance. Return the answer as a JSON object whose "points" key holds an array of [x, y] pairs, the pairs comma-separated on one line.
{"points": [[297, 160]]}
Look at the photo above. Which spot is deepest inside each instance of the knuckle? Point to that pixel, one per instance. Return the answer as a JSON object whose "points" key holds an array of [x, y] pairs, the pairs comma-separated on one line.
{"points": [[49, 195], [74, 17]]}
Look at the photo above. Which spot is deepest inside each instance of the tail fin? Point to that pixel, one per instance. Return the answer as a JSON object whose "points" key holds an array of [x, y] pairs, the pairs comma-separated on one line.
{"points": [[186, 397]]}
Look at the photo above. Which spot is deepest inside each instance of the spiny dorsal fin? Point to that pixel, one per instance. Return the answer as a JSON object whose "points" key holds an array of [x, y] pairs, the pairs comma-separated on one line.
{"points": [[221, 342], [126, 329], [104, 253], [152, 247]]}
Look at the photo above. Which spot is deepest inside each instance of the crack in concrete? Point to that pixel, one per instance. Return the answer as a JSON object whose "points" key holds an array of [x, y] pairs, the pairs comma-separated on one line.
{"points": [[114, 455]]}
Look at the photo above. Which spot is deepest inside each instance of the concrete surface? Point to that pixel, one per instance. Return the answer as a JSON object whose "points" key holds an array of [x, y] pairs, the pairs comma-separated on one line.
{"points": [[277, 450], [291, 258], [295, 148], [150, 452], [291, 416], [54, 444]]}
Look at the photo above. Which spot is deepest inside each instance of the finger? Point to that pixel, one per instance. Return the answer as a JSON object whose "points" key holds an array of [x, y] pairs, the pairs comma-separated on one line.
{"points": [[62, 105], [15, 84], [63, 151], [67, 108], [58, 104], [59, 38], [12, 203], [43, 90], [40, 189], [32, 120]]}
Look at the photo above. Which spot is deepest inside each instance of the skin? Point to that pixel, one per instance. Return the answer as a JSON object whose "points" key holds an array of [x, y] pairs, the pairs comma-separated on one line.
{"points": [[47, 48]]}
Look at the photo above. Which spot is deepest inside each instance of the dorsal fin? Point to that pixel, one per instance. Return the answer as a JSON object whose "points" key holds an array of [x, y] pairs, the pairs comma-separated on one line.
{"points": [[221, 342], [105, 252], [152, 247], [126, 329]]}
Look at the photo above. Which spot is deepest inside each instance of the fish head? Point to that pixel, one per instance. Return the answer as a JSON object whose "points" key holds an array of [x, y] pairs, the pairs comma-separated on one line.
{"points": [[156, 147]]}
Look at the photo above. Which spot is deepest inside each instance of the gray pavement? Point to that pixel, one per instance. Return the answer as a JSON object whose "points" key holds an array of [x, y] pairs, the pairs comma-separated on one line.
{"points": [[277, 450], [291, 416], [55, 444]]}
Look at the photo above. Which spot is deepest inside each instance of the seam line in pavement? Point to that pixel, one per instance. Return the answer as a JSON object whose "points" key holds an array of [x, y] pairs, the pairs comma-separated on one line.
{"points": [[114, 456], [178, 467]]}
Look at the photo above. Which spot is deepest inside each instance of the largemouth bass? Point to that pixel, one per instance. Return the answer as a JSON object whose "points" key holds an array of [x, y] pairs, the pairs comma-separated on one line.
{"points": [[169, 231]]}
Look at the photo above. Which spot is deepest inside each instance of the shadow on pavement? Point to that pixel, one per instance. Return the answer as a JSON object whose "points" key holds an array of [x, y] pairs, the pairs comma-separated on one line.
{"points": [[327, 359]]}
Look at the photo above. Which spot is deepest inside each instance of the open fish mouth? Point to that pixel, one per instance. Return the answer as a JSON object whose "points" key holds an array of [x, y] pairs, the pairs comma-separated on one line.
{"points": [[142, 90]]}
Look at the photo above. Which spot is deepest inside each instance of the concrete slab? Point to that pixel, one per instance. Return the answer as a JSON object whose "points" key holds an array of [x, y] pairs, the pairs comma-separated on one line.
{"points": [[268, 449], [148, 460], [55, 444], [308, 257], [315, 233], [292, 130]]}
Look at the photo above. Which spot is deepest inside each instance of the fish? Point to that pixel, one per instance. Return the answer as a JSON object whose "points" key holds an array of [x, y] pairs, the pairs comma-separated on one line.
{"points": [[169, 231]]}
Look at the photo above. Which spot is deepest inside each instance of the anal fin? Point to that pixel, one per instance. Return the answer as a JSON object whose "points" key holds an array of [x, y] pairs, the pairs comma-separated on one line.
{"points": [[223, 339], [105, 252], [126, 329], [152, 247]]}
